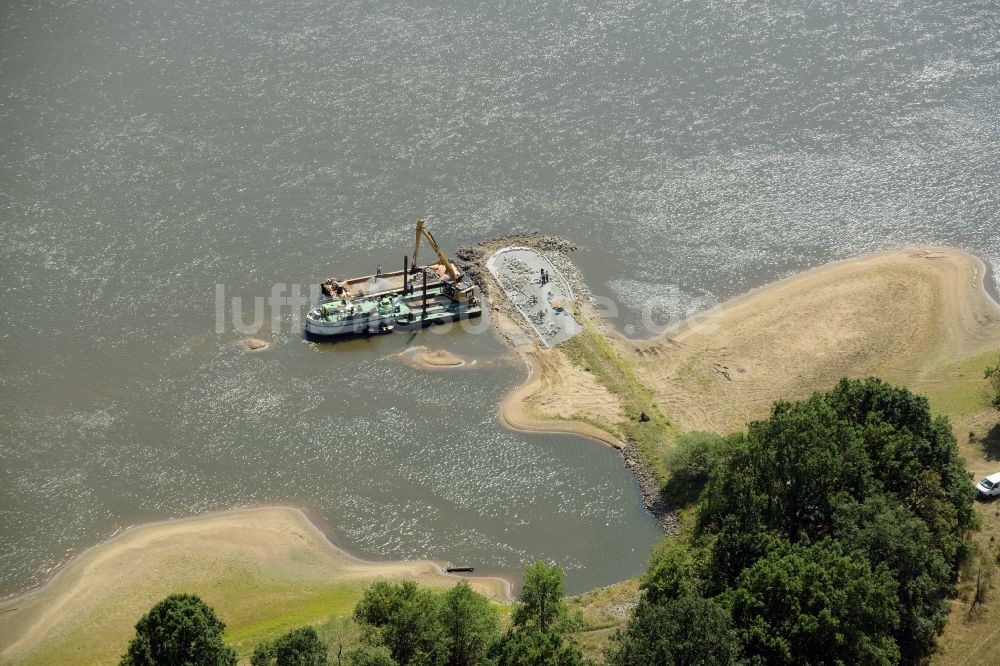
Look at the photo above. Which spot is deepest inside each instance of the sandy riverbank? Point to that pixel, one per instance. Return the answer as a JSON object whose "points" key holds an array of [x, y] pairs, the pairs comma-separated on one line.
{"points": [[554, 394], [264, 570], [912, 317], [918, 317]]}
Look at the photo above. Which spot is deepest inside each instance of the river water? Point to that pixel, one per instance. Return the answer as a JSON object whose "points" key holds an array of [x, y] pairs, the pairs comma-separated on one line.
{"points": [[151, 150]]}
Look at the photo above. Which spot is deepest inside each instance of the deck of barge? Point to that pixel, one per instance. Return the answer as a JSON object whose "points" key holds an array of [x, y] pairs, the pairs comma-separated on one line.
{"points": [[389, 284]]}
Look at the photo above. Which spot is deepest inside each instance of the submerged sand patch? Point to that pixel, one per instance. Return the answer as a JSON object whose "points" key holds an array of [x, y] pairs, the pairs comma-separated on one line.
{"points": [[252, 345], [433, 359], [264, 571]]}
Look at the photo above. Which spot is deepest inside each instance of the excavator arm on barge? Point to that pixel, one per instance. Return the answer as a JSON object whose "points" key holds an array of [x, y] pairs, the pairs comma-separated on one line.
{"points": [[422, 231], [452, 289]]}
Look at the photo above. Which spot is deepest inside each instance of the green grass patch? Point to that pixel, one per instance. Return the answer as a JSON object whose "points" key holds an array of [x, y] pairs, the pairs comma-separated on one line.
{"points": [[593, 352], [282, 613], [959, 389]]}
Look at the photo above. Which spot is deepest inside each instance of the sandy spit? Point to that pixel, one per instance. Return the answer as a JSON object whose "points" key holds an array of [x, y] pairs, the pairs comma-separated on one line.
{"points": [[561, 387]]}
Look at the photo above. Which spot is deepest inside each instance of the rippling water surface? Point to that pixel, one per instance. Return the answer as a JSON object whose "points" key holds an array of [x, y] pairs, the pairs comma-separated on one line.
{"points": [[151, 150]]}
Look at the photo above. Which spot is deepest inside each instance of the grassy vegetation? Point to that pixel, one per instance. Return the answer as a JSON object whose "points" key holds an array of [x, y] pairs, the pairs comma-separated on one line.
{"points": [[324, 605], [604, 611], [253, 613], [971, 637], [591, 351], [959, 388]]}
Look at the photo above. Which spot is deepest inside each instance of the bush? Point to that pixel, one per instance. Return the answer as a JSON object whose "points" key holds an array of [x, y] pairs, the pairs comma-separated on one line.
{"points": [[370, 655], [694, 456], [299, 647], [690, 463], [673, 571], [533, 647]]}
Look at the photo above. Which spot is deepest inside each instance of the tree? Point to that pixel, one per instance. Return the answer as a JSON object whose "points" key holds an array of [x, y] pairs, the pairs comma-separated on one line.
{"points": [[914, 457], [533, 647], [540, 623], [993, 374], [811, 604], [884, 532], [541, 603], [407, 620], [181, 629], [299, 647], [684, 630], [471, 622], [783, 472], [370, 655], [860, 439], [381, 600], [419, 626], [859, 489]]}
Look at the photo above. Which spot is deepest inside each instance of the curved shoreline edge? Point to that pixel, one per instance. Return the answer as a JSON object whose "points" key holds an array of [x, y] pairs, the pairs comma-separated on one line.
{"points": [[989, 281], [515, 416], [507, 584], [985, 278]]}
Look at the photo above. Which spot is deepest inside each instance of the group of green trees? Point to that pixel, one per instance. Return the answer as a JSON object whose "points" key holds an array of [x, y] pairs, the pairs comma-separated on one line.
{"points": [[405, 625], [830, 533], [401, 624]]}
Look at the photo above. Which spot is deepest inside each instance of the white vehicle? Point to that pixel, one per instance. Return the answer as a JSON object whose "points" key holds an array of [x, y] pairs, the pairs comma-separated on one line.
{"points": [[990, 486]]}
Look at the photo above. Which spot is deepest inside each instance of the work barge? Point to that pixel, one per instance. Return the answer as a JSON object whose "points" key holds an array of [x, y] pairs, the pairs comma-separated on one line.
{"points": [[414, 297]]}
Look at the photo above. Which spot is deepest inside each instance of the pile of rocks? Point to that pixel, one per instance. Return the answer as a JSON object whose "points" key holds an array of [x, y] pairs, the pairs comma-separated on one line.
{"points": [[471, 259], [531, 283]]}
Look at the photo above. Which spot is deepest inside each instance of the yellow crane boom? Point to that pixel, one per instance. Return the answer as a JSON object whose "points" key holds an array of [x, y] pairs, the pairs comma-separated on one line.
{"points": [[423, 232]]}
